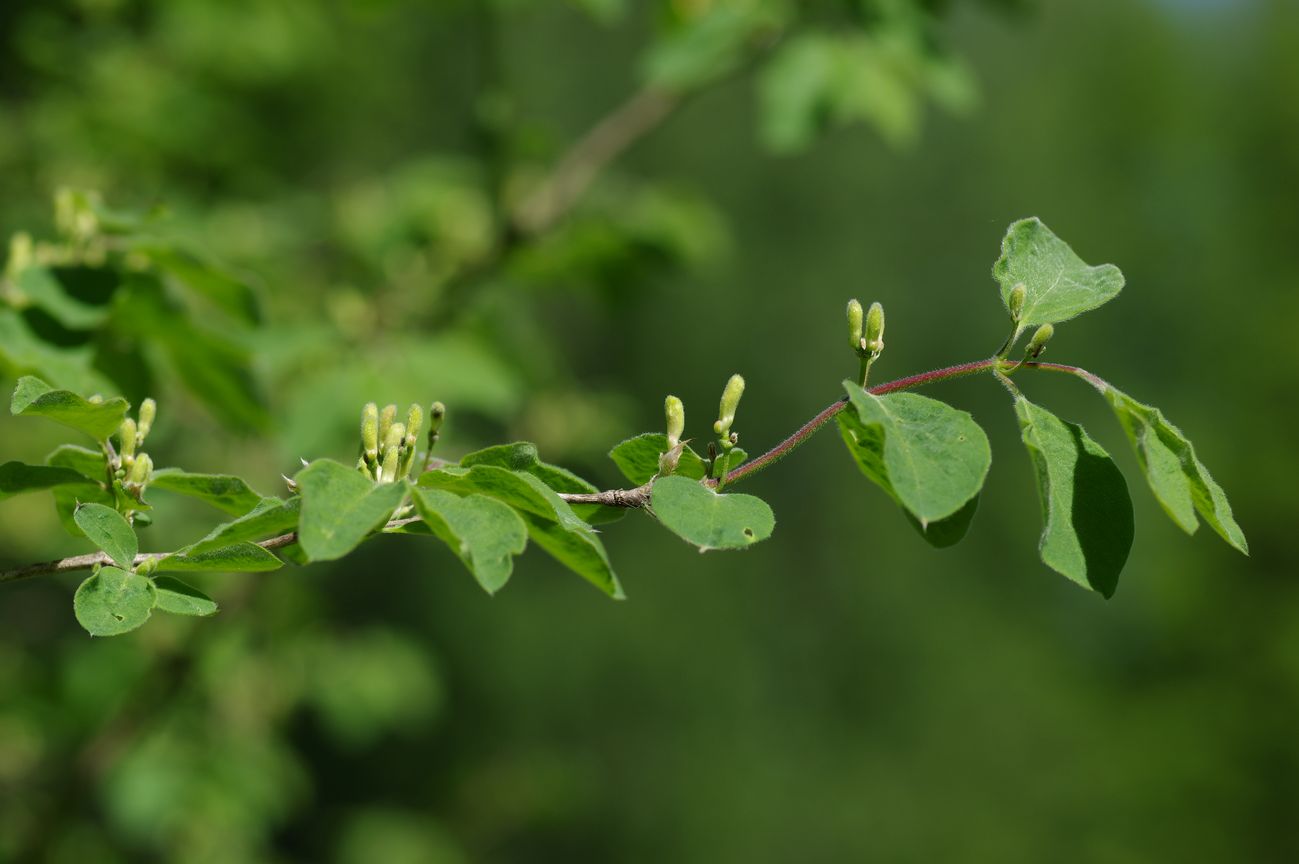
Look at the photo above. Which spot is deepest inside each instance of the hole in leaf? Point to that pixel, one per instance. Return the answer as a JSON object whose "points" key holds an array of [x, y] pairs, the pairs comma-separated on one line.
{"points": [[748, 532]]}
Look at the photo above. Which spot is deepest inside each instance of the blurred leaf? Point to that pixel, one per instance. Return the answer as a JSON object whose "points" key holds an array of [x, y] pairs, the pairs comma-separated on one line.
{"points": [[393, 837], [17, 478], [484, 533], [271, 517], [235, 558], [41, 287], [176, 597], [113, 601], [232, 296], [1085, 505], [225, 492], [712, 43], [340, 508], [23, 352], [638, 458], [1058, 283], [34, 398], [707, 519], [1180, 481], [928, 456], [108, 530]]}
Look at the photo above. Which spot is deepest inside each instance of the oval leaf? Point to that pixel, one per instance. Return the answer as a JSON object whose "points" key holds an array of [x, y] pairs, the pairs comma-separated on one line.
{"points": [[34, 398], [928, 456], [523, 456], [223, 491], [269, 518], [176, 597], [108, 530], [484, 533], [340, 508], [113, 601], [1085, 505], [1181, 483], [17, 478], [234, 558], [1058, 284], [707, 519]]}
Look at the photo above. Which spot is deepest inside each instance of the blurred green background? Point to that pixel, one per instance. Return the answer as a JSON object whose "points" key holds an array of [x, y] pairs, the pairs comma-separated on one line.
{"points": [[840, 692]]}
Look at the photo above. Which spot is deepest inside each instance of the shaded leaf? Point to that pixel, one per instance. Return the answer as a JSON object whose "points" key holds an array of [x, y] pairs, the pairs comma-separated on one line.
{"points": [[174, 596], [233, 296], [17, 478], [108, 530], [483, 532], [707, 519], [1181, 483], [580, 550], [90, 464], [225, 492], [235, 558], [1085, 505], [523, 456], [42, 288], [340, 508], [269, 518], [22, 352], [113, 601], [929, 457], [1058, 284], [34, 398]]}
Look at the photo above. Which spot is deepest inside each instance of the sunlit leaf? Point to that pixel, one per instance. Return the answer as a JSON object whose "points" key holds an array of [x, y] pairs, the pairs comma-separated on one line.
{"points": [[708, 519], [340, 508], [1058, 284], [242, 557], [108, 530], [483, 532], [271, 517], [34, 398], [225, 492], [174, 596], [113, 601]]}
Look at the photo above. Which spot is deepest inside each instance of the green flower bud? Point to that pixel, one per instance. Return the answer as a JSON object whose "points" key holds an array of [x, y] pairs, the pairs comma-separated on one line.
{"points": [[148, 565], [1015, 302], [854, 324], [391, 458], [370, 430], [396, 436], [386, 419], [675, 413], [875, 329], [126, 436], [436, 413], [730, 401], [148, 413], [141, 471], [1037, 344], [414, 420]]}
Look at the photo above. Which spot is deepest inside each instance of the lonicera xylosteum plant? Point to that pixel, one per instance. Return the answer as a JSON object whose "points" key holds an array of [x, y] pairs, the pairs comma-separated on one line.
{"points": [[927, 456]]}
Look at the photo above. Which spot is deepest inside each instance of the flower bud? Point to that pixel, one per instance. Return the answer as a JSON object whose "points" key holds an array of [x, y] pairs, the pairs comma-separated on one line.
{"points": [[386, 418], [854, 324], [141, 471], [436, 412], [370, 430], [675, 412], [396, 436], [730, 401], [126, 437], [875, 329], [414, 420], [147, 413], [148, 565], [388, 472], [1037, 344], [1015, 301]]}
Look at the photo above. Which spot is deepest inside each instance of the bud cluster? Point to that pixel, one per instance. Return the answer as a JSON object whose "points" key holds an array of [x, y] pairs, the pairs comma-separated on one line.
{"points": [[132, 467], [388, 447]]}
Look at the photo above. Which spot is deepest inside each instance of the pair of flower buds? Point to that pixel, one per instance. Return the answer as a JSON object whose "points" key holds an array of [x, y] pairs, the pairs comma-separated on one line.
{"points": [[675, 413], [388, 447], [1043, 334]]}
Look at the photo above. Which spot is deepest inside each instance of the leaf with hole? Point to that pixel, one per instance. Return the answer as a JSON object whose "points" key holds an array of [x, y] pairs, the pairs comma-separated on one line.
{"points": [[113, 601], [484, 533], [1058, 284], [174, 596], [1177, 477], [108, 530], [1085, 505], [708, 519], [340, 508], [34, 398], [929, 457]]}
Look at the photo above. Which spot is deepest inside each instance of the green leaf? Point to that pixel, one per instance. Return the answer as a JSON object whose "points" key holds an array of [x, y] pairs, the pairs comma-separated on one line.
{"points": [[34, 398], [90, 464], [68, 498], [340, 508], [523, 456], [233, 296], [17, 478], [241, 557], [227, 493], [638, 458], [548, 517], [176, 597], [113, 601], [1058, 284], [108, 530], [710, 44], [43, 289], [701, 516], [1181, 483], [929, 457], [23, 352], [269, 518], [1085, 504], [483, 532]]}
